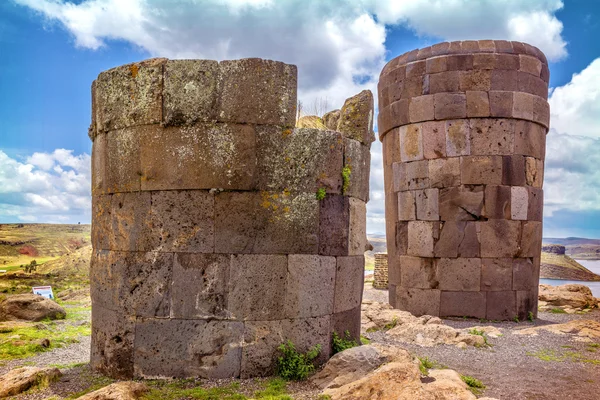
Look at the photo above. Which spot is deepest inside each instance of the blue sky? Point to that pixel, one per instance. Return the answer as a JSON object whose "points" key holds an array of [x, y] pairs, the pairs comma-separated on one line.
{"points": [[51, 51]]}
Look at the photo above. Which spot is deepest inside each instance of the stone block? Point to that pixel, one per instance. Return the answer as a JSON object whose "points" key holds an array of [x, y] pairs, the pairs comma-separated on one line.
{"points": [[434, 65], [99, 158], [434, 139], [531, 65], [190, 91], [492, 136], [257, 286], [458, 138], [450, 105], [391, 147], [457, 239], [417, 174], [513, 170], [443, 82], [496, 274], [484, 61], [394, 270], [411, 142], [500, 238], [401, 238], [459, 274], [356, 118], [417, 68], [261, 339], [530, 84], [461, 203], [266, 223], [393, 116], [475, 79], [245, 99], [541, 111], [519, 202], [444, 172], [462, 304], [137, 283], [530, 139], [418, 301], [527, 302], [112, 342], [481, 170], [501, 305], [357, 157], [531, 239], [358, 228], [524, 276], [400, 180], [470, 247], [478, 104], [101, 222], [545, 74], [143, 83], [347, 322], [503, 79], [412, 87], [349, 279], [123, 163], [199, 287], [421, 108], [202, 156], [536, 204], [440, 49], [392, 295], [406, 206], [460, 62], [497, 202], [534, 172], [183, 221], [503, 46], [178, 348], [130, 226], [331, 119], [310, 286], [418, 272], [421, 238], [301, 160], [427, 202], [501, 104], [523, 105], [334, 225], [487, 46]]}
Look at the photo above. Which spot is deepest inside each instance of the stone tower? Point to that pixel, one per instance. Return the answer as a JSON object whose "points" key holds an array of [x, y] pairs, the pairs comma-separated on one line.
{"points": [[220, 231], [463, 126]]}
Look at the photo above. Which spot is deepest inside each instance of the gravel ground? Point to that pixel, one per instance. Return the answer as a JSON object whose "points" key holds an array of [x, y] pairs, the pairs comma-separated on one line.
{"points": [[509, 368]]}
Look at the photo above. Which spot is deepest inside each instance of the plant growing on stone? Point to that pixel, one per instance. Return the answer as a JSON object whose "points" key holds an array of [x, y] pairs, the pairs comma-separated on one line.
{"points": [[480, 333], [321, 194], [292, 365], [340, 344], [346, 171], [391, 324], [530, 316], [474, 384]]}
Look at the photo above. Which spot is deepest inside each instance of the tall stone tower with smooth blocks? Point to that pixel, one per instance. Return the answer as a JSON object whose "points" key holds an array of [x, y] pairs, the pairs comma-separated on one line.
{"points": [[463, 126], [221, 231]]}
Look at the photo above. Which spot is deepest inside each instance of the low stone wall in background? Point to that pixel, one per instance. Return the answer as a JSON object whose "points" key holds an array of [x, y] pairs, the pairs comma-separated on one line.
{"points": [[380, 273]]}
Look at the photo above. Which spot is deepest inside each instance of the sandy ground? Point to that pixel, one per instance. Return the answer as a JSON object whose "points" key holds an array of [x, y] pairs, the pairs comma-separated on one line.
{"points": [[510, 368]]}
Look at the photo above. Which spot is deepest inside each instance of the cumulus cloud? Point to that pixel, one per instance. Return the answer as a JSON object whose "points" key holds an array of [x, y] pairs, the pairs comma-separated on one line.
{"points": [[45, 187]]}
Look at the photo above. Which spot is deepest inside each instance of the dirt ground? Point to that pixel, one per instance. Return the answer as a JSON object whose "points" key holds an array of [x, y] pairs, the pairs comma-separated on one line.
{"points": [[515, 367]]}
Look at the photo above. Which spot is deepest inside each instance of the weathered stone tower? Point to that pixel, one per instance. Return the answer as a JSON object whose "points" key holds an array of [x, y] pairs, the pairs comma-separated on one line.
{"points": [[219, 230], [463, 127]]}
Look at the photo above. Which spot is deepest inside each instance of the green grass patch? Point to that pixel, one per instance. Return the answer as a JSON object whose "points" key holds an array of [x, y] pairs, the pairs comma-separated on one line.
{"points": [[364, 340], [425, 364], [550, 355], [558, 311], [474, 384]]}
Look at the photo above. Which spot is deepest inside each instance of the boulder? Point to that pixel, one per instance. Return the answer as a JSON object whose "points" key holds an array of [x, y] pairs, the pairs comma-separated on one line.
{"points": [[405, 327], [22, 379], [311, 121], [354, 363], [331, 119], [448, 385], [583, 328], [29, 307], [572, 296], [118, 391], [356, 118]]}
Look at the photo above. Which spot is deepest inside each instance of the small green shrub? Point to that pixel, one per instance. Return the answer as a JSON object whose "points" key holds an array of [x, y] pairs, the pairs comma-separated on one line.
{"points": [[474, 384], [530, 316], [342, 343], [346, 171], [292, 365], [391, 324], [516, 319], [425, 365], [475, 331], [321, 194]]}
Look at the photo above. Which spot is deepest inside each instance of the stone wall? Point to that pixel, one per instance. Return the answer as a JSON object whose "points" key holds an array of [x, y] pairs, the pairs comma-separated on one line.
{"points": [[380, 272], [220, 230], [463, 127]]}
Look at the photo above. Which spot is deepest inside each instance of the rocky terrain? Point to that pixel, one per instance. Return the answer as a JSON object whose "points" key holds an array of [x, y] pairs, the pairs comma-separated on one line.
{"points": [[555, 264], [580, 248]]}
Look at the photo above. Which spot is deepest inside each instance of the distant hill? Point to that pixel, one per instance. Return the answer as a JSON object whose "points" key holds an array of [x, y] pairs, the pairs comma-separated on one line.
{"points": [[579, 248]]}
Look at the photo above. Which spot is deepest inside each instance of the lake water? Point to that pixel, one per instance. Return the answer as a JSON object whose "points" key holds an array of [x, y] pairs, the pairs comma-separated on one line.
{"points": [[592, 265]]}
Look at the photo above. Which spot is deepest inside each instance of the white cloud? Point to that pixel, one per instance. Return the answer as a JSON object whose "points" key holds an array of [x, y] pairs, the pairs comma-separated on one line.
{"points": [[46, 187]]}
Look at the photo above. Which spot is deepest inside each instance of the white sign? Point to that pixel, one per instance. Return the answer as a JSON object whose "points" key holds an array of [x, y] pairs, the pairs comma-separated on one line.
{"points": [[45, 291]]}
